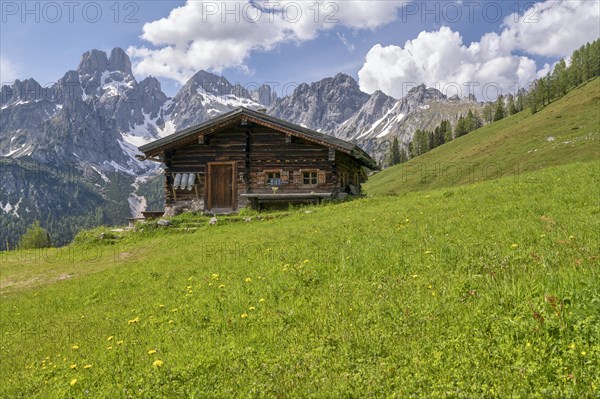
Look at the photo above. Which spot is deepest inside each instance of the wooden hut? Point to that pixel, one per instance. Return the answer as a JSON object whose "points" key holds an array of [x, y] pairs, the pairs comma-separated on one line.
{"points": [[246, 157]]}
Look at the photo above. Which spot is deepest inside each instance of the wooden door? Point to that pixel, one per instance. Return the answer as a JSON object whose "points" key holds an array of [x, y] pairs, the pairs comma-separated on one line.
{"points": [[221, 186]]}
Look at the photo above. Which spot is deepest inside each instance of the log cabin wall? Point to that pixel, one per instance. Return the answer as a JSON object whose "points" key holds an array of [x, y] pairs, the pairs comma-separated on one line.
{"points": [[349, 172], [227, 145], [272, 151]]}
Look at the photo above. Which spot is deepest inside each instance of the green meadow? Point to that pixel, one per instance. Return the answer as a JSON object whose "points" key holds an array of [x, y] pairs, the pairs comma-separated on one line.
{"points": [[564, 132], [461, 288]]}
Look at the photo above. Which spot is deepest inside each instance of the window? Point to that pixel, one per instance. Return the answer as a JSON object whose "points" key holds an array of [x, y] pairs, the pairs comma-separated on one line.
{"points": [[309, 178], [344, 179], [273, 179]]}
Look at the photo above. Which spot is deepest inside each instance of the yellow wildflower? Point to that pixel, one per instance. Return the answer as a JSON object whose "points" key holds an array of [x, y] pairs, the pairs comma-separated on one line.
{"points": [[73, 381], [514, 246], [75, 347], [151, 352], [109, 348], [244, 315], [251, 308], [261, 300], [248, 280], [87, 366], [214, 276], [119, 342], [222, 286], [73, 366], [110, 338], [133, 321], [158, 363]]}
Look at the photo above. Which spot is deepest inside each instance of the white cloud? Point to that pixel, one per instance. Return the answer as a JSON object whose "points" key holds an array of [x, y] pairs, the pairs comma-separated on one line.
{"points": [[441, 59], [8, 71], [346, 42], [553, 28], [217, 35]]}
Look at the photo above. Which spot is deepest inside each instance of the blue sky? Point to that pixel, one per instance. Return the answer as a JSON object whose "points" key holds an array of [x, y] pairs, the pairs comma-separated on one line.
{"points": [[367, 40]]}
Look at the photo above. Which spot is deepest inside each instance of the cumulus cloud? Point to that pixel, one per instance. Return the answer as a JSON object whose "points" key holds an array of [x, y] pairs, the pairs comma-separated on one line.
{"points": [[217, 35], [440, 59], [553, 28], [8, 72], [485, 68]]}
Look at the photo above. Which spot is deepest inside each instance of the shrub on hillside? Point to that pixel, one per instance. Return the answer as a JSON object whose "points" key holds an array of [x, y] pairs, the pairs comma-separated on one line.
{"points": [[35, 237]]}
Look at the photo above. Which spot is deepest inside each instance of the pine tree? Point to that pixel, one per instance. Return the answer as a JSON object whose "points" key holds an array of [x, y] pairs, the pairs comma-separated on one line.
{"points": [[520, 103], [560, 79], [488, 112], [461, 127], [420, 143], [431, 140], [449, 136], [499, 109], [393, 157], [511, 108], [403, 155]]}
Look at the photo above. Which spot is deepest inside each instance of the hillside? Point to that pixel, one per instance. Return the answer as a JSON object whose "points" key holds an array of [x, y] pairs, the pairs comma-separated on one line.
{"points": [[566, 131], [488, 290], [90, 123]]}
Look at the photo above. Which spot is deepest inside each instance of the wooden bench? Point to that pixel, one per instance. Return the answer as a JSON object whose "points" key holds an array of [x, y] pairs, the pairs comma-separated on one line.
{"points": [[257, 200], [149, 215]]}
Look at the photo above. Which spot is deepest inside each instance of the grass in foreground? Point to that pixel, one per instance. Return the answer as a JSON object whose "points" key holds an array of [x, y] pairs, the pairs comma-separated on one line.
{"points": [[566, 131], [489, 290]]}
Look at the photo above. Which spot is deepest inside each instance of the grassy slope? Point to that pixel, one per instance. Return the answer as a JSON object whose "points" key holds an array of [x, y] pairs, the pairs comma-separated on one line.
{"points": [[387, 296], [516, 145]]}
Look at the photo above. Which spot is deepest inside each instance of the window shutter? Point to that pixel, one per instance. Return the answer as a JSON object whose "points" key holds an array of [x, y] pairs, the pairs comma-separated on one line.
{"points": [[285, 177], [297, 177], [321, 177], [261, 178]]}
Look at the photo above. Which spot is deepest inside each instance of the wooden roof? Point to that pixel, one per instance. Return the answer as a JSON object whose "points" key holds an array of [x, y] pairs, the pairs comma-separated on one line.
{"points": [[211, 126]]}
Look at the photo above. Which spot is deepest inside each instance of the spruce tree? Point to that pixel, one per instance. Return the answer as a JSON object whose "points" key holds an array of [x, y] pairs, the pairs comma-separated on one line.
{"points": [[499, 111], [461, 127], [488, 112], [394, 153], [511, 108]]}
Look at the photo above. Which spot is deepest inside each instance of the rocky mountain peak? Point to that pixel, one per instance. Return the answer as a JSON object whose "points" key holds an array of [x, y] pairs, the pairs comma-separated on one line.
{"points": [[69, 88], [92, 62], [322, 105], [209, 82], [96, 61], [264, 95], [422, 93], [119, 61]]}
